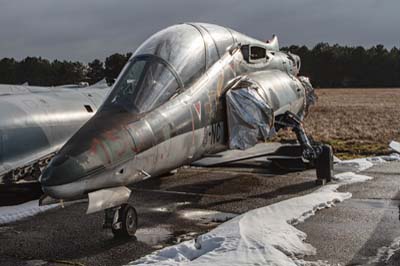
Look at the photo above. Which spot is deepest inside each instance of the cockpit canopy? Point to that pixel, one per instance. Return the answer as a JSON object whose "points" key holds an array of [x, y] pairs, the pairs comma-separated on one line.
{"points": [[147, 82], [182, 46], [167, 63]]}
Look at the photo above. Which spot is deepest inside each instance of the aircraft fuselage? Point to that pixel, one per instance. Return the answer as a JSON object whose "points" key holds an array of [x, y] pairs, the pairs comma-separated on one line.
{"points": [[118, 147]]}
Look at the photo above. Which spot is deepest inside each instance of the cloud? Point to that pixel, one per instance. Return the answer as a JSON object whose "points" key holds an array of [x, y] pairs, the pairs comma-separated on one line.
{"points": [[84, 30]]}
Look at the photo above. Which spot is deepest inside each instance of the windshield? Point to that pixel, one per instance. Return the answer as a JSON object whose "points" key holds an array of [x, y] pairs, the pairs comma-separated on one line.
{"points": [[147, 83]]}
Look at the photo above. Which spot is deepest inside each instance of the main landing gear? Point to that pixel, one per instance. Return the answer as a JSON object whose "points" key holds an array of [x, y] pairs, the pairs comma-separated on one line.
{"points": [[122, 220], [318, 154]]}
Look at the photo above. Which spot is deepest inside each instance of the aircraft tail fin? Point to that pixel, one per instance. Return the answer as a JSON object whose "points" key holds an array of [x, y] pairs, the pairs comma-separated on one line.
{"points": [[273, 43]]}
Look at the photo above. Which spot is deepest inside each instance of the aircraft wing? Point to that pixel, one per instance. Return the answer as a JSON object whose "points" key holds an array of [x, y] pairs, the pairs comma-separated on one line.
{"points": [[27, 160], [229, 156]]}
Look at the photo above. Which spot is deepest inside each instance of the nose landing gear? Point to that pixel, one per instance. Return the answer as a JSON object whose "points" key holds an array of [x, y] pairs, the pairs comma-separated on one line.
{"points": [[324, 164], [122, 220], [318, 154]]}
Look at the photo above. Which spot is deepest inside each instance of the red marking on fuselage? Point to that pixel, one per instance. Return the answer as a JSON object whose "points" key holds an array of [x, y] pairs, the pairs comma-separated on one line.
{"points": [[113, 135], [93, 146], [93, 149], [110, 135]]}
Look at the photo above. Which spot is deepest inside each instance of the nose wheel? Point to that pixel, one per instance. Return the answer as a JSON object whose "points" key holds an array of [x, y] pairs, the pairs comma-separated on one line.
{"points": [[324, 164], [122, 220]]}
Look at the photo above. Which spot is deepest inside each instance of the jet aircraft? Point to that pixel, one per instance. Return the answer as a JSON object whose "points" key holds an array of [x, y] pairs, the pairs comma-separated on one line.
{"points": [[189, 90], [36, 121]]}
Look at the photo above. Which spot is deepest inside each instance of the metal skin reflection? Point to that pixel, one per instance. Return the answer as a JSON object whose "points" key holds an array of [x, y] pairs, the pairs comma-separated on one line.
{"points": [[36, 121], [167, 109]]}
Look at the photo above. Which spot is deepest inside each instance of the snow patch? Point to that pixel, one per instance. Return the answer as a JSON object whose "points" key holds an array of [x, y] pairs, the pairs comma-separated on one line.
{"points": [[152, 236], [362, 164], [350, 177], [394, 145], [264, 236], [314, 263], [14, 213], [336, 159], [392, 157], [358, 165]]}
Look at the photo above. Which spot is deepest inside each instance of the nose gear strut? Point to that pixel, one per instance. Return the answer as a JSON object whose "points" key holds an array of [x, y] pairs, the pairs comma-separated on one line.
{"points": [[320, 155]]}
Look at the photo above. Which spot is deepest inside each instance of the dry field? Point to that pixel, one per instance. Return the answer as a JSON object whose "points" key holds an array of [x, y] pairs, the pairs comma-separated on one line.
{"points": [[356, 122]]}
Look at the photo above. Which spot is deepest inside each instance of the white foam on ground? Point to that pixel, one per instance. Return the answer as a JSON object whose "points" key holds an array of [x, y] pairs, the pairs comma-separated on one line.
{"points": [[394, 145], [152, 236], [362, 164], [385, 253], [264, 236], [350, 177], [14, 213], [392, 157]]}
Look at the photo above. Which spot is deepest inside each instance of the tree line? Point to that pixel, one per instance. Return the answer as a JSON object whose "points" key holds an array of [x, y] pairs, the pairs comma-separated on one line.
{"points": [[327, 66], [333, 66], [37, 71]]}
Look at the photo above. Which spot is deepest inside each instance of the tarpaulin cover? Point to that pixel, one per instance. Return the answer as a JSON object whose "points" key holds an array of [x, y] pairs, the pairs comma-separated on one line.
{"points": [[311, 97], [249, 118]]}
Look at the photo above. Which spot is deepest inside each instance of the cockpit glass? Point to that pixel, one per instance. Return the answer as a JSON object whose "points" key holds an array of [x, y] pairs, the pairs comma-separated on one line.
{"points": [[183, 47], [146, 84]]}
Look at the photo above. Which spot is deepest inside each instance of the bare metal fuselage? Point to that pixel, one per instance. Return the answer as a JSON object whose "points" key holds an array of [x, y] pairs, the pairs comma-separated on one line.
{"points": [[118, 147], [36, 121]]}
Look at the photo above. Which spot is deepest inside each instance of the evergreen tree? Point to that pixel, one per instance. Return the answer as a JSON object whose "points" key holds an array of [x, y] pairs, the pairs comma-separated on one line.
{"points": [[114, 65], [8, 71], [327, 66], [96, 71], [35, 71]]}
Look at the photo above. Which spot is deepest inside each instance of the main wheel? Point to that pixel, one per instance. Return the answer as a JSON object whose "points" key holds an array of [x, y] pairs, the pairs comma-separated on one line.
{"points": [[324, 164], [127, 222]]}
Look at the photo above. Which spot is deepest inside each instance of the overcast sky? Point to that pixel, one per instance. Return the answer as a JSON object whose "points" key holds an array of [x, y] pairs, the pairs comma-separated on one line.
{"points": [[87, 29]]}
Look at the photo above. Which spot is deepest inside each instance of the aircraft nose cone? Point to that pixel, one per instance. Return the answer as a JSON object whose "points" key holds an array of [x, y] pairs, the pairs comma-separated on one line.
{"points": [[62, 170], [85, 156]]}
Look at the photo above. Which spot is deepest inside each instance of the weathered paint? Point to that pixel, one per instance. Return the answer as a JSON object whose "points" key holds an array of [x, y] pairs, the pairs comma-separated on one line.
{"points": [[186, 126]]}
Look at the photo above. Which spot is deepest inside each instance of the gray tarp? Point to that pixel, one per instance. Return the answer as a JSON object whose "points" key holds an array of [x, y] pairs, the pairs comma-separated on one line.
{"points": [[311, 97], [249, 118]]}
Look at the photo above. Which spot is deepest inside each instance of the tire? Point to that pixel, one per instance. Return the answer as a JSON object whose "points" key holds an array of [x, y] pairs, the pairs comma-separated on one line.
{"points": [[324, 163], [128, 219]]}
